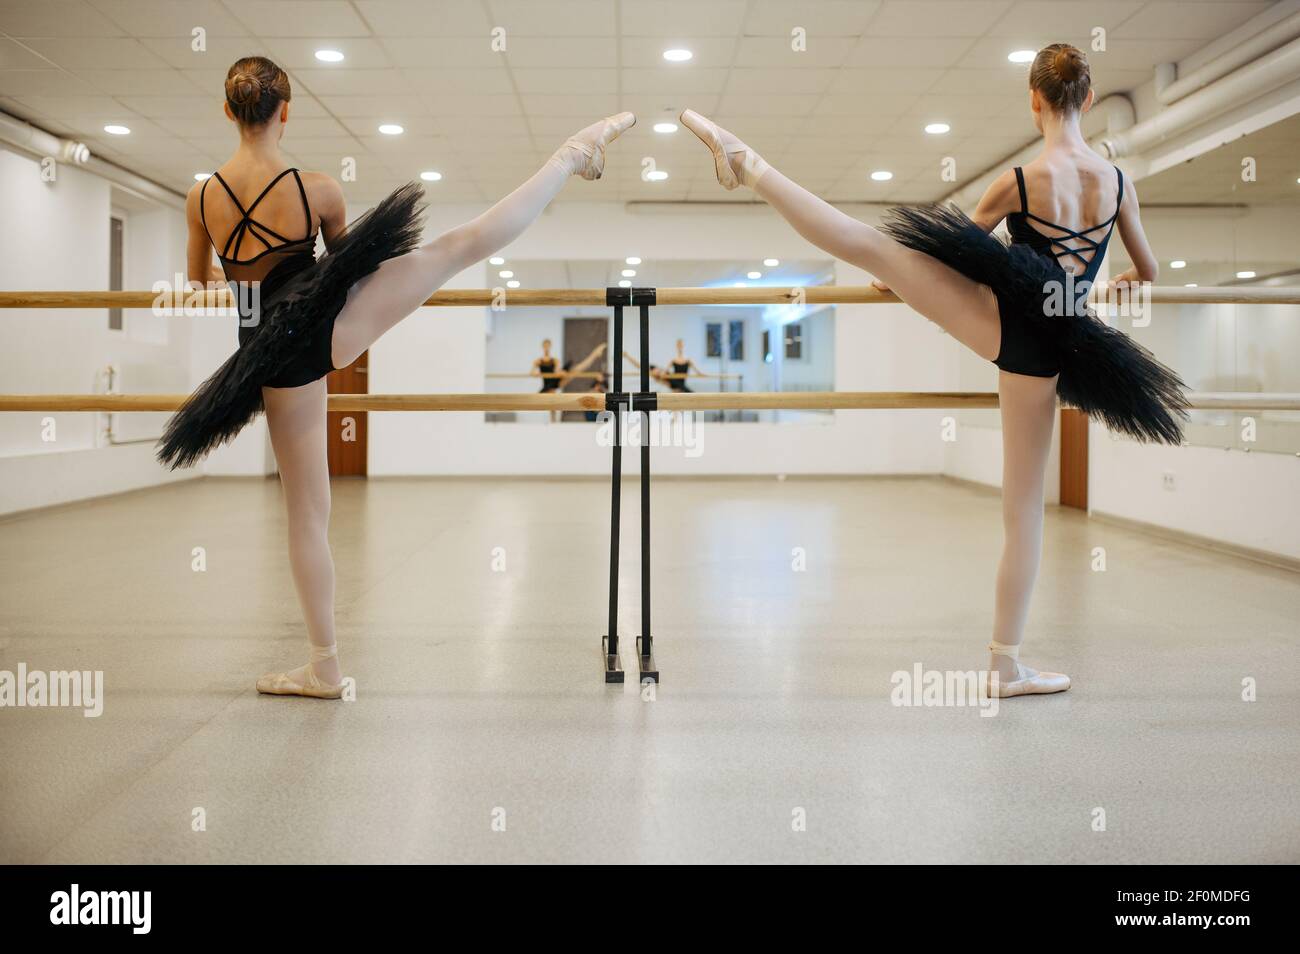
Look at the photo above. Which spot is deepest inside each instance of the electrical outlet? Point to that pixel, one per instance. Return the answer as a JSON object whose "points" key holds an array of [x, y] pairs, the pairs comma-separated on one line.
{"points": [[1169, 480]]}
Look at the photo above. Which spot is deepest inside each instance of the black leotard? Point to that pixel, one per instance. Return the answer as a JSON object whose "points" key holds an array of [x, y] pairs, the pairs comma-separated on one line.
{"points": [[549, 382], [271, 267], [679, 367]]}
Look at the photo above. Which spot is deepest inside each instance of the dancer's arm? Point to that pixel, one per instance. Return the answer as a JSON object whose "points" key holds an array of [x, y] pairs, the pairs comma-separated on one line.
{"points": [[585, 363], [199, 268], [329, 205], [1146, 268]]}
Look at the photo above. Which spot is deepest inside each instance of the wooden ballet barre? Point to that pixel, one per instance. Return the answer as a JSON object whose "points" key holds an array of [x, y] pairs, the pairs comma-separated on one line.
{"points": [[666, 401], [470, 297]]}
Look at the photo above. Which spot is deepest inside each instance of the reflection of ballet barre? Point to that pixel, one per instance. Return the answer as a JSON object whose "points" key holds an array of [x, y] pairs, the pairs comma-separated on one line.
{"points": [[548, 375], [679, 377], [812, 295], [666, 401]]}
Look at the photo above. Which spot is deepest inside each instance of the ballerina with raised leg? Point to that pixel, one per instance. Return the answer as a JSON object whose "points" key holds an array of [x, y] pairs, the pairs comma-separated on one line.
{"points": [[311, 316], [992, 298]]}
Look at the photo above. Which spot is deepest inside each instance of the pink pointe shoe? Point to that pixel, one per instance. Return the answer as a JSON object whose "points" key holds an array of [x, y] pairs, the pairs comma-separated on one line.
{"points": [[591, 143], [734, 162], [1028, 682], [306, 684]]}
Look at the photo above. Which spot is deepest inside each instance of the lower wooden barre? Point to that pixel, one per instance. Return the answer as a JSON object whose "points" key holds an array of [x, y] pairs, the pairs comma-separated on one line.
{"points": [[221, 298], [667, 401]]}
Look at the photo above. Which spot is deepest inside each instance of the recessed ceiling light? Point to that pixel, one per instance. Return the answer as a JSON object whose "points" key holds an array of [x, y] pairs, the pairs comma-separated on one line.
{"points": [[677, 55], [115, 130], [771, 262], [1178, 263], [632, 260], [1190, 285], [625, 284], [1022, 56], [754, 275], [882, 175], [512, 284], [506, 273], [656, 175], [391, 129], [329, 56], [200, 176], [937, 129], [1246, 274], [629, 273], [665, 127], [496, 260], [430, 176]]}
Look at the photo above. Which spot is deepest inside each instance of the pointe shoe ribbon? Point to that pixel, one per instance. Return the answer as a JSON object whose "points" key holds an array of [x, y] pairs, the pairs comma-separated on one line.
{"points": [[724, 146], [594, 151], [282, 684]]}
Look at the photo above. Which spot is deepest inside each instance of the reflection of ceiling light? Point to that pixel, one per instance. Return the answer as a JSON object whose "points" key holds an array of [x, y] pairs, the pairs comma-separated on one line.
{"points": [[1178, 263], [937, 129], [665, 127], [656, 175], [771, 262], [512, 284], [329, 56], [632, 260], [625, 284], [741, 285], [430, 176], [677, 56], [629, 273], [1021, 56], [754, 275], [506, 273], [115, 130], [882, 175], [1246, 274], [496, 260]]}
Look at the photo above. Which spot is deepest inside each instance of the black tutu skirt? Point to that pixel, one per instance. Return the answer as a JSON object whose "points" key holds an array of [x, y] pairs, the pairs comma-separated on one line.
{"points": [[295, 322], [1102, 370]]}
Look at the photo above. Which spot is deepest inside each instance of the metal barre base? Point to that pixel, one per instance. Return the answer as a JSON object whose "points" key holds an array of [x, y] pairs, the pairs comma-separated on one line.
{"points": [[613, 665]]}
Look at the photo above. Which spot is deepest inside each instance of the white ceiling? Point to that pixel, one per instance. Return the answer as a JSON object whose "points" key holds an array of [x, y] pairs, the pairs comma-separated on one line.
{"points": [[874, 72]]}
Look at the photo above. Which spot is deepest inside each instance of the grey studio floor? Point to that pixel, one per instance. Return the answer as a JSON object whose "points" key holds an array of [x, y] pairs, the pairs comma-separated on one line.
{"points": [[480, 697]]}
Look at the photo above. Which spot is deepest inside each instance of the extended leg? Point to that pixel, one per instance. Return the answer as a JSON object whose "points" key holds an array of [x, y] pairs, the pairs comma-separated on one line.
{"points": [[296, 417], [401, 285], [964, 308]]}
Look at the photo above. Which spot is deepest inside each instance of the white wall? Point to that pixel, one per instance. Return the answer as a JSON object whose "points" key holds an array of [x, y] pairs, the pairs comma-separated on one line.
{"points": [[56, 237], [876, 348]]}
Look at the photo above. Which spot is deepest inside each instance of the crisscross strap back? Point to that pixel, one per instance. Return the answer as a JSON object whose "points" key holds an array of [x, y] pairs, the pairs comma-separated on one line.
{"points": [[1090, 252], [248, 225]]}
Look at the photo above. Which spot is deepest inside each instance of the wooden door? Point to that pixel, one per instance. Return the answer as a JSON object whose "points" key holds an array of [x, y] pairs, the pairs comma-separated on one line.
{"points": [[347, 429], [1074, 458], [581, 336]]}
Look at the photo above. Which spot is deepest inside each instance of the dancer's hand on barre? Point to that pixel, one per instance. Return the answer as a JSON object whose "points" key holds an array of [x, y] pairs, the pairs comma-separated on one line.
{"points": [[880, 286]]}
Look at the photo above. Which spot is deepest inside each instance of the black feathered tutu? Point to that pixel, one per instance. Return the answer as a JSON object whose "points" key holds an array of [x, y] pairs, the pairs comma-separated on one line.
{"points": [[296, 313], [1102, 370]]}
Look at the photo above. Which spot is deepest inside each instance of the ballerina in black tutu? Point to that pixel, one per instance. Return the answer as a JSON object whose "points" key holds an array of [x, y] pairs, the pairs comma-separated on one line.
{"points": [[302, 317], [1002, 301]]}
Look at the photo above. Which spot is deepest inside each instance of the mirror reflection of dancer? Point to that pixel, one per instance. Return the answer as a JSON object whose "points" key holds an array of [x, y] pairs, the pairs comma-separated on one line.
{"points": [[315, 315], [994, 299], [544, 367], [680, 364]]}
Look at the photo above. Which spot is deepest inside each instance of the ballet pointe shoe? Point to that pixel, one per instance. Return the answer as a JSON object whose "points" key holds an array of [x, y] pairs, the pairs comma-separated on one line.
{"points": [[591, 142], [726, 149], [1028, 682], [285, 683]]}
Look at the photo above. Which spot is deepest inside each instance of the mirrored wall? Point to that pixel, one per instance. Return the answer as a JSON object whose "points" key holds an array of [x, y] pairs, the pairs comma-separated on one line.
{"points": [[692, 348]]}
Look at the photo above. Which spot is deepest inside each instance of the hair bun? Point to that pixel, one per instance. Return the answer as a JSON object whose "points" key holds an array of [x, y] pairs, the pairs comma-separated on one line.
{"points": [[244, 89], [1069, 64]]}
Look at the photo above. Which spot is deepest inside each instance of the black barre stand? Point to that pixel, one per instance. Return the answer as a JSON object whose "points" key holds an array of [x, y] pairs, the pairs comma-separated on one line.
{"points": [[619, 402]]}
